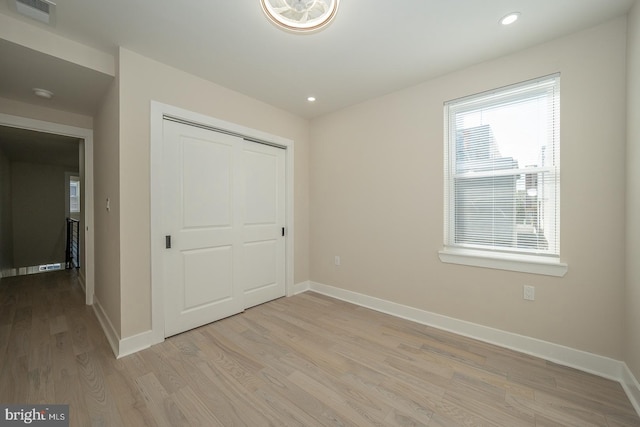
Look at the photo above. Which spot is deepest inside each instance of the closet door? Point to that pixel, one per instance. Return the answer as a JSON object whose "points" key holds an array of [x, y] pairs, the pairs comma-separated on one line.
{"points": [[221, 209]]}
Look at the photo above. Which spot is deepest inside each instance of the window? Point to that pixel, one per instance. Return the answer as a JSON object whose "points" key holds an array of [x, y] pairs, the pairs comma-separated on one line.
{"points": [[502, 178], [74, 195]]}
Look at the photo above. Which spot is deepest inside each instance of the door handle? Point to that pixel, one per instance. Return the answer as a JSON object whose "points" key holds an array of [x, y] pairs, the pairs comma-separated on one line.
{"points": [[167, 242]]}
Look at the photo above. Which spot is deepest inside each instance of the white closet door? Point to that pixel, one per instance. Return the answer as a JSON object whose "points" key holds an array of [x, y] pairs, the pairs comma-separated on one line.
{"points": [[221, 208]]}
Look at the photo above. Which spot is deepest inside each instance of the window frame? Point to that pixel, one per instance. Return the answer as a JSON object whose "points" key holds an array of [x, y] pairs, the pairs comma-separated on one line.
{"points": [[476, 255], [74, 182]]}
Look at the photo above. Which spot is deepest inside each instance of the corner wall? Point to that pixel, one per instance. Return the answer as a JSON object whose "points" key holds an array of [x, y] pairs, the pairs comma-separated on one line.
{"points": [[106, 169], [377, 199]]}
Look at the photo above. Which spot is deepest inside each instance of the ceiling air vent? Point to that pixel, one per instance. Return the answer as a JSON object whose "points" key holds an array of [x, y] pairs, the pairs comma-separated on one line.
{"points": [[41, 10]]}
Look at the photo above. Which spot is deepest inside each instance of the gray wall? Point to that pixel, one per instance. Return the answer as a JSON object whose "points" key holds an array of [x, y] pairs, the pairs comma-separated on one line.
{"points": [[38, 208]]}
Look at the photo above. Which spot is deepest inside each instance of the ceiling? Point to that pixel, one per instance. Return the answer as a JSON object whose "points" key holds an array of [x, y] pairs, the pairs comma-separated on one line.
{"points": [[21, 145], [373, 47]]}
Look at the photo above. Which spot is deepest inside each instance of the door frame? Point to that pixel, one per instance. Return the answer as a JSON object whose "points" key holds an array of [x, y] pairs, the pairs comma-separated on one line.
{"points": [[86, 136], [158, 112]]}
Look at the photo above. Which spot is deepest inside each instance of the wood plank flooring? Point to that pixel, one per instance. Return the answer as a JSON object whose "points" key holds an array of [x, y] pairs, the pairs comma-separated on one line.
{"points": [[308, 360]]}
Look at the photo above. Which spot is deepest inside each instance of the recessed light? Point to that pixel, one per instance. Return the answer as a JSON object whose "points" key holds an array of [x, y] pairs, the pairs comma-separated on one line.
{"points": [[510, 18], [311, 99], [42, 93]]}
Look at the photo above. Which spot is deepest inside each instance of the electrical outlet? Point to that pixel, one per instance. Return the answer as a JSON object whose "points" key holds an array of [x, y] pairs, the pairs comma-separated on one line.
{"points": [[336, 260], [529, 293]]}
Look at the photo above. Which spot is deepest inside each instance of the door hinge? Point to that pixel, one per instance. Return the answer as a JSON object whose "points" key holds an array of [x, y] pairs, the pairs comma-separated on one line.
{"points": [[167, 242]]}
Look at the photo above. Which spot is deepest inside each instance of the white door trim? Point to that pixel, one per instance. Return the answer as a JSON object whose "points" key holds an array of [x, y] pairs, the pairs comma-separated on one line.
{"points": [[158, 111], [87, 136]]}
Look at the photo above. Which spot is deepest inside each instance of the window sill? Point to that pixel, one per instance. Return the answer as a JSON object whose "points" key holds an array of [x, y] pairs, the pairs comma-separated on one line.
{"points": [[521, 263]]}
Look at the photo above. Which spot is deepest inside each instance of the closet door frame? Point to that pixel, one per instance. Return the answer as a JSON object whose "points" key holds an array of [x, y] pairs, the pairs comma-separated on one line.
{"points": [[158, 113]]}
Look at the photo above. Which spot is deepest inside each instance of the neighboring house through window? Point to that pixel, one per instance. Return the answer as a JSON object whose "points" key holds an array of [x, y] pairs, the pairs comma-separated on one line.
{"points": [[502, 178]]}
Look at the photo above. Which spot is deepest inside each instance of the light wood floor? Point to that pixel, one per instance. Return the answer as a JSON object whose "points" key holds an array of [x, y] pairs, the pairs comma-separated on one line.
{"points": [[308, 360]]}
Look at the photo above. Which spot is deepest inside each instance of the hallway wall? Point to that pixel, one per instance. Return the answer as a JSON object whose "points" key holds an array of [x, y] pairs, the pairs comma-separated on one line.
{"points": [[38, 213]]}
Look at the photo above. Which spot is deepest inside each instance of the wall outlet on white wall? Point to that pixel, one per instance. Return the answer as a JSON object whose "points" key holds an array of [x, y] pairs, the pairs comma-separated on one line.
{"points": [[336, 260], [529, 293]]}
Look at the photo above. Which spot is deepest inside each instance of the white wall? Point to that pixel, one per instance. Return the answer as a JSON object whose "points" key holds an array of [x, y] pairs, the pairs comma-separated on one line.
{"points": [[143, 80], [377, 199], [632, 291]]}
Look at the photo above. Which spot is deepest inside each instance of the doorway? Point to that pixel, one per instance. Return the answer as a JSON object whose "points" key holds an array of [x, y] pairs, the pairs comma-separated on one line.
{"points": [[85, 138]]}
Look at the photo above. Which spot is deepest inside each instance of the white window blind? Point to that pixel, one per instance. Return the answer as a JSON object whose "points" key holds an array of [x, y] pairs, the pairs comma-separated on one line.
{"points": [[502, 170]]}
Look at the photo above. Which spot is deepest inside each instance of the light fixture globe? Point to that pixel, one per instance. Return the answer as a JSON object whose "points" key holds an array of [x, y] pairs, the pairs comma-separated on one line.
{"points": [[300, 15]]}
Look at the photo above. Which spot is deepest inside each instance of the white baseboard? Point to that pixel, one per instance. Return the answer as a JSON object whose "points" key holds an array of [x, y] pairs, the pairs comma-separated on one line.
{"points": [[135, 343], [631, 386], [109, 331], [566, 356], [125, 346], [301, 287]]}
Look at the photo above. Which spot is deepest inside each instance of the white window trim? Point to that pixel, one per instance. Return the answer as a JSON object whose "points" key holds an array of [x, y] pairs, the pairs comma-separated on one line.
{"points": [[548, 266]]}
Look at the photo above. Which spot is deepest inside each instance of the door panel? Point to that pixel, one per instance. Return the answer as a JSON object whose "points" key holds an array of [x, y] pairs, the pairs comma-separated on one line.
{"points": [[206, 169], [202, 267], [263, 243], [261, 181], [262, 256], [199, 209]]}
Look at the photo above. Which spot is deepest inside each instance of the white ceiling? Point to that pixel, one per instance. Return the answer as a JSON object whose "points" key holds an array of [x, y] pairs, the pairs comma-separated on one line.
{"points": [[372, 47]]}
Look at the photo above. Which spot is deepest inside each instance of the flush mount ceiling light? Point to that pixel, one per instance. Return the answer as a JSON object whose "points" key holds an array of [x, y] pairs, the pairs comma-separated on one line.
{"points": [[300, 15], [510, 18]]}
